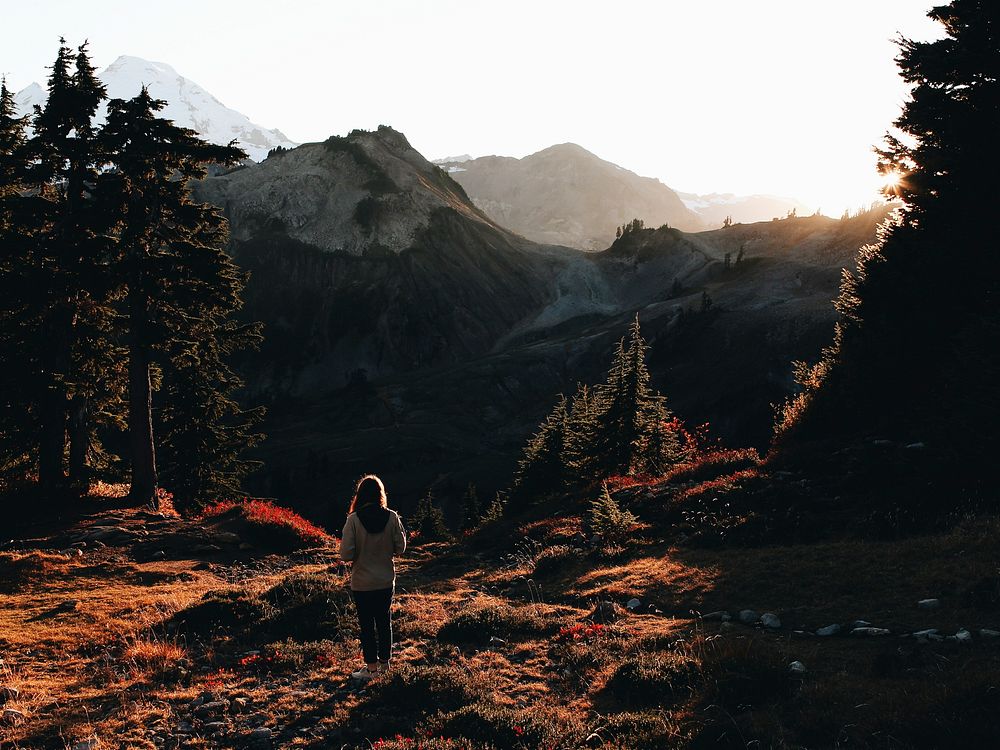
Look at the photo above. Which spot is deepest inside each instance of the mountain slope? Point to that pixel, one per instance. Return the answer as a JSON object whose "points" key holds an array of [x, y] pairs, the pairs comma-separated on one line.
{"points": [[188, 104], [368, 260], [566, 195]]}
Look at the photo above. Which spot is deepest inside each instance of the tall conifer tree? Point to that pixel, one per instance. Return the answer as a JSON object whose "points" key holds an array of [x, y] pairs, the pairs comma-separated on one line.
{"points": [[181, 291]]}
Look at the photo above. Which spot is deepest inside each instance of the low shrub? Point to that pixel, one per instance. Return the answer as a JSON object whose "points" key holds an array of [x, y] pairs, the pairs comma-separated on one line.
{"points": [[740, 673], [267, 524], [557, 557], [480, 621], [303, 606], [615, 524], [310, 606], [227, 612], [401, 742], [505, 727], [654, 679], [641, 730], [290, 656], [714, 463]]}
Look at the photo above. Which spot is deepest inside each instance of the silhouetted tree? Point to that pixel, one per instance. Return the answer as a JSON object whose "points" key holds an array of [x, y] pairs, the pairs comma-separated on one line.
{"points": [[428, 520], [541, 468], [471, 511], [916, 354]]}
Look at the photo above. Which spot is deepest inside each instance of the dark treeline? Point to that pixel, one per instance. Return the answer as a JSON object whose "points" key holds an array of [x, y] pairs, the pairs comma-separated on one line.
{"points": [[116, 300]]}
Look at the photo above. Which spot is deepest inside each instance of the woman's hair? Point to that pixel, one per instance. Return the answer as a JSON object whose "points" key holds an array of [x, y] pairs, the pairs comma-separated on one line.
{"points": [[368, 491]]}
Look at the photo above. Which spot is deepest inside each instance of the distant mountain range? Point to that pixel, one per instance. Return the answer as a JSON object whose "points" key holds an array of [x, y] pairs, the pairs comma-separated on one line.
{"points": [[566, 195], [188, 104]]}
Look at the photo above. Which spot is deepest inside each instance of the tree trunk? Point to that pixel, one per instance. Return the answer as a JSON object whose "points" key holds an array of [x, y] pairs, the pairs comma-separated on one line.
{"points": [[52, 443], [79, 442], [52, 404], [140, 407]]}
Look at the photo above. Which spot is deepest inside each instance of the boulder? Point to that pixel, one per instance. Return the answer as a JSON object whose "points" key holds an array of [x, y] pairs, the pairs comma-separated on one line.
{"points": [[797, 668], [988, 633], [718, 616], [770, 620], [828, 630], [748, 616], [869, 631], [929, 603], [633, 604]]}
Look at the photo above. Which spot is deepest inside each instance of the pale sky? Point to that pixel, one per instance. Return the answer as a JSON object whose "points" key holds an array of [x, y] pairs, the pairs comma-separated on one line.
{"points": [[780, 97]]}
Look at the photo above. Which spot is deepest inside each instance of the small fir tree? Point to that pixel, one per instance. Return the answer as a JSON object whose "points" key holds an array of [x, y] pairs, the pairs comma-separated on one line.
{"points": [[610, 520], [428, 520], [541, 468], [471, 511]]}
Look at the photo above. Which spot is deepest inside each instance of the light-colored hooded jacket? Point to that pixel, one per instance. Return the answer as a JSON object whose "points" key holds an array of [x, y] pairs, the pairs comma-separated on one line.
{"points": [[372, 536]]}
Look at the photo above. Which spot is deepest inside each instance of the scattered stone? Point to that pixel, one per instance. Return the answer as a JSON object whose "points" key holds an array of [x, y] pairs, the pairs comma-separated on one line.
{"points": [[748, 616], [211, 708], [633, 604], [202, 548], [158, 555], [72, 552], [770, 620], [963, 636], [595, 540], [916, 446], [797, 667], [226, 537], [8, 693], [929, 603], [260, 737], [926, 635], [869, 631], [719, 616], [987, 633], [828, 630], [12, 716], [90, 744], [860, 624], [494, 641]]}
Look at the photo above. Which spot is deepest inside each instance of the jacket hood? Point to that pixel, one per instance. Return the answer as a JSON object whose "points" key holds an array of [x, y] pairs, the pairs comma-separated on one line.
{"points": [[374, 518]]}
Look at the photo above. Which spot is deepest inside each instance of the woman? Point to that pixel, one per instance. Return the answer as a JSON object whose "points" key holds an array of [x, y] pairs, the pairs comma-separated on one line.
{"points": [[372, 536]]}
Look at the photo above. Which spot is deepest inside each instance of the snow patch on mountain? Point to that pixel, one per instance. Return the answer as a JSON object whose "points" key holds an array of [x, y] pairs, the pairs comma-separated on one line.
{"points": [[188, 105]]}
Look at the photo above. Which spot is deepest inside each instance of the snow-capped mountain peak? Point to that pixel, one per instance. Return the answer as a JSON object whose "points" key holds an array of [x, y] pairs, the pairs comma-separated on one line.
{"points": [[188, 104]]}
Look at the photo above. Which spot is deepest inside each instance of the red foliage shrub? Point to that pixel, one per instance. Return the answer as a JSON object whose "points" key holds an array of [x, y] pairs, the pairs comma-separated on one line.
{"points": [[264, 516], [714, 463]]}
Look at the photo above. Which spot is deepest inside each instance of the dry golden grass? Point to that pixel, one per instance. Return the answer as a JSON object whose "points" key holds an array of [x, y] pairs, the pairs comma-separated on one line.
{"points": [[100, 668]]}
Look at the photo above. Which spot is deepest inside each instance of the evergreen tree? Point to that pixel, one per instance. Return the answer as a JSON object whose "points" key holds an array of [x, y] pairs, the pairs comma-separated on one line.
{"points": [[541, 468], [610, 520], [20, 371], [578, 445], [181, 290], [428, 520], [917, 351], [630, 420], [494, 511], [471, 512], [65, 313]]}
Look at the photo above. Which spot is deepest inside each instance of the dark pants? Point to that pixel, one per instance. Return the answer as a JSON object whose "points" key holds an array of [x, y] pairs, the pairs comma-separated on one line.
{"points": [[376, 626]]}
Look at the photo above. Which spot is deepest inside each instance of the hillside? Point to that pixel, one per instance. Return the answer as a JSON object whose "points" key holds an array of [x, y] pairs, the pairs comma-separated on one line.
{"points": [[130, 629], [565, 195]]}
